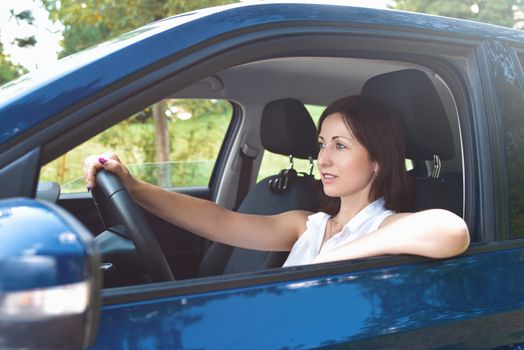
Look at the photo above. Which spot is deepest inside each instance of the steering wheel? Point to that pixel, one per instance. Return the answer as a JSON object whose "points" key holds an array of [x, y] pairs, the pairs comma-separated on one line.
{"points": [[116, 206]]}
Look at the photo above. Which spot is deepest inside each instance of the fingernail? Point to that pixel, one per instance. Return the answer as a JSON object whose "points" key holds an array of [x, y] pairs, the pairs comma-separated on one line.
{"points": [[102, 160], [88, 188]]}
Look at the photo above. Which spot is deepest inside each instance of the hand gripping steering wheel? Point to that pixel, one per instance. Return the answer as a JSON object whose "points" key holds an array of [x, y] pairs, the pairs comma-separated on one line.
{"points": [[116, 206]]}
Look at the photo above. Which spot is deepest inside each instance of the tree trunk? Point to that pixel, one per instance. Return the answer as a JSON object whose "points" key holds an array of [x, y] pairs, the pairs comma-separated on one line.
{"points": [[61, 168], [162, 145]]}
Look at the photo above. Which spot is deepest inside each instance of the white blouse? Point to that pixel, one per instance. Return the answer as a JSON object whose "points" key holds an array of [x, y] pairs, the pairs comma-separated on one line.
{"points": [[309, 245]]}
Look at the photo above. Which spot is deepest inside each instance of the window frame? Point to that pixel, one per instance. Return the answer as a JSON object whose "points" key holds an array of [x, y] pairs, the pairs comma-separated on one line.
{"points": [[217, 283], [286, 42]]}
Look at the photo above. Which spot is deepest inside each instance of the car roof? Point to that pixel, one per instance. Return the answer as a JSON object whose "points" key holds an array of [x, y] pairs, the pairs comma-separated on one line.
{"points": [[38, 96], [312, 80]]}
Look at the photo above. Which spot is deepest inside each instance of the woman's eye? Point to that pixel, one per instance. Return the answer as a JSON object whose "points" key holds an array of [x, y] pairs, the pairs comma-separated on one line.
{"points": [[321, 145], [340, 146]]}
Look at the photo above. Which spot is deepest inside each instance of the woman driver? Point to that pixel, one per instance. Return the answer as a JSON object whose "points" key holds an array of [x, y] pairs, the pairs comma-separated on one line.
{"points": [[366, 192]]}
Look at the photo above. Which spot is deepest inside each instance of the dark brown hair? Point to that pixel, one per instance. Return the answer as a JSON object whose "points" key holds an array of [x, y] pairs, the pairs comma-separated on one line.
{"points": [[378, 129]]}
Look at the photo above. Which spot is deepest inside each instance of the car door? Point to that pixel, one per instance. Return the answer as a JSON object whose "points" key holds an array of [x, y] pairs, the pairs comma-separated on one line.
{"points": [[465, 302]]}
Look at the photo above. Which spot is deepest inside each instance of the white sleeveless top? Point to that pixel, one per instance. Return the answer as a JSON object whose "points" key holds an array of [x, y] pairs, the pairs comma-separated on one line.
{"points": [[308, 246]]}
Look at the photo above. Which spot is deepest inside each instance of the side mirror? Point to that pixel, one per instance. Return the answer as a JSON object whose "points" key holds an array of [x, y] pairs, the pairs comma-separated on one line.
{"points": [[49, 278]]}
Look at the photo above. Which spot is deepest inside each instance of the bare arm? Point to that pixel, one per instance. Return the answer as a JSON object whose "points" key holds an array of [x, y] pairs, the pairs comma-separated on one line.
{"points": [[434, 233], [205, 218]]}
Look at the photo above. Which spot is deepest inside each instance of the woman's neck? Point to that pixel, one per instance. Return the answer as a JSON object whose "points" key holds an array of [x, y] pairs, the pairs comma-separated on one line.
{"points": [[349, 207]]}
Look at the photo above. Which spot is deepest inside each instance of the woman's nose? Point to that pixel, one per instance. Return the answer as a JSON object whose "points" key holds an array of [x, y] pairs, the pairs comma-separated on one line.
{"points": [[323, 157]]}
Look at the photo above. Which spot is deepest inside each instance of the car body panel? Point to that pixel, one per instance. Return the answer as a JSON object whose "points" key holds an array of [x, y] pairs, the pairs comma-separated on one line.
{"points": [[329, 310]]}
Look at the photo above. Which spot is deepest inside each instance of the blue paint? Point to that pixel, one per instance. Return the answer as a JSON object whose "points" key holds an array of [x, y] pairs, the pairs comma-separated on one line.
{"points": [[37, 248], [326, 310]]}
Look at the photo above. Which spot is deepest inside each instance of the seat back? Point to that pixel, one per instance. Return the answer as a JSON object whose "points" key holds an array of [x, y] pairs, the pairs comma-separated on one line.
{"points": [[428, 133], [286, 128]]}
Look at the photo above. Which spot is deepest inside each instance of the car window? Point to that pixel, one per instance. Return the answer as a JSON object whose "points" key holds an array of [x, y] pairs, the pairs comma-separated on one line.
{"points": [[173, 143], [512, 107], [272, 163]]}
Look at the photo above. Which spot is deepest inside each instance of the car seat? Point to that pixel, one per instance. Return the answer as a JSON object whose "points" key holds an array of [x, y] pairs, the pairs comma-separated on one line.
{"points": [[286, 128], [428, 133]]}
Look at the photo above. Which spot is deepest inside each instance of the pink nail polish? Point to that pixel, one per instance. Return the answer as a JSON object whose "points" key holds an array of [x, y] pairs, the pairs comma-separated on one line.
{"points": [[102, 160]]}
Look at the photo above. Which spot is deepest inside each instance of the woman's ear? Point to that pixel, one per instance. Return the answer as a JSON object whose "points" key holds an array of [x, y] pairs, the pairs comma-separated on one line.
{"points": [[377, 168]]}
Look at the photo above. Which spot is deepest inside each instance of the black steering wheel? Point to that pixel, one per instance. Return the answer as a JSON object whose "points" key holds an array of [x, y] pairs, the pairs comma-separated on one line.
{"points": [[116, 206]]}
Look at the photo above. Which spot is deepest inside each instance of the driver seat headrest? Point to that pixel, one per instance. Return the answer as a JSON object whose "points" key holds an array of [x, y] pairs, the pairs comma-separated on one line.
{"points": [[413, 96], [287, 128]]}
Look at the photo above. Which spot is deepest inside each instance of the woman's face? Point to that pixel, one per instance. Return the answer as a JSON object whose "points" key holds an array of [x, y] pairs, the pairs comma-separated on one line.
{"points": [[345, 166]]}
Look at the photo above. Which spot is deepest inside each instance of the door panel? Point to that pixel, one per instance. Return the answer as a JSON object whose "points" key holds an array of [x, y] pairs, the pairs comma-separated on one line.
{"points": [[470, 301]]}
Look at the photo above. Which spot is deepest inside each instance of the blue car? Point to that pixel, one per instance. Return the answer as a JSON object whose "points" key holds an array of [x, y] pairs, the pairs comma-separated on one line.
{"points": [[227, 97]]}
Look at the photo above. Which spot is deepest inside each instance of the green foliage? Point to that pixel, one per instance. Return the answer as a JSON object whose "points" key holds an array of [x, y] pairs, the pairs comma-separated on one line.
{"points": [[27, 41], [202, 107], [25, 15], [89, 23], [194, 147], [8, 70], [92, 22], [500, 12]]}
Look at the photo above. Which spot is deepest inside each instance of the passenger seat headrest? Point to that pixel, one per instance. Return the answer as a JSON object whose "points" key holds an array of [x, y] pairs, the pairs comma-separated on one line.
{"points": [[412, 95], [287, 128]]}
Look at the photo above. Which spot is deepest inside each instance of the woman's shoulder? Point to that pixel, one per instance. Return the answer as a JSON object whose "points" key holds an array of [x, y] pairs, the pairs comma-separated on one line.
{"points": [[392, 218], [303, 219], [309, 220], [308, 216]]}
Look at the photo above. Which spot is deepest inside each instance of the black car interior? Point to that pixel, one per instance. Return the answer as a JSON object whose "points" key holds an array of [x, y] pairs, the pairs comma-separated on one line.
{"points": [[428, 134], [286, 128]]}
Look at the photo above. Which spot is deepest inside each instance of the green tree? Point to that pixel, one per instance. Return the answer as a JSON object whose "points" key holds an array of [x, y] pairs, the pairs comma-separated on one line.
{"points": [[9, 70], [501, 12], [87, 23], [92, 22]]}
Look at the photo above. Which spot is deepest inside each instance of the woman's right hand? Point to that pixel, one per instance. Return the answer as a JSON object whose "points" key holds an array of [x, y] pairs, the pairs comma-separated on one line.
{"points": [[108, 161]]}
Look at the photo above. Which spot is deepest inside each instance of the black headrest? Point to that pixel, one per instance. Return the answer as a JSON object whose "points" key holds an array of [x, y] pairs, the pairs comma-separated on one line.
{"points": [[287, 128], [412, 95]]}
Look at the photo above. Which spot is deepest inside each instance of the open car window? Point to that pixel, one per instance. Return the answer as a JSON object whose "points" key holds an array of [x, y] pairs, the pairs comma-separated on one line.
{"points": [[173, 143], [197, 118]]}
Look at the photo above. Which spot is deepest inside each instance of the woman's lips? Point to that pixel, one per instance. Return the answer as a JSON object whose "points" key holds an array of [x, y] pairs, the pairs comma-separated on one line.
{"points": [[328, 178]]}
